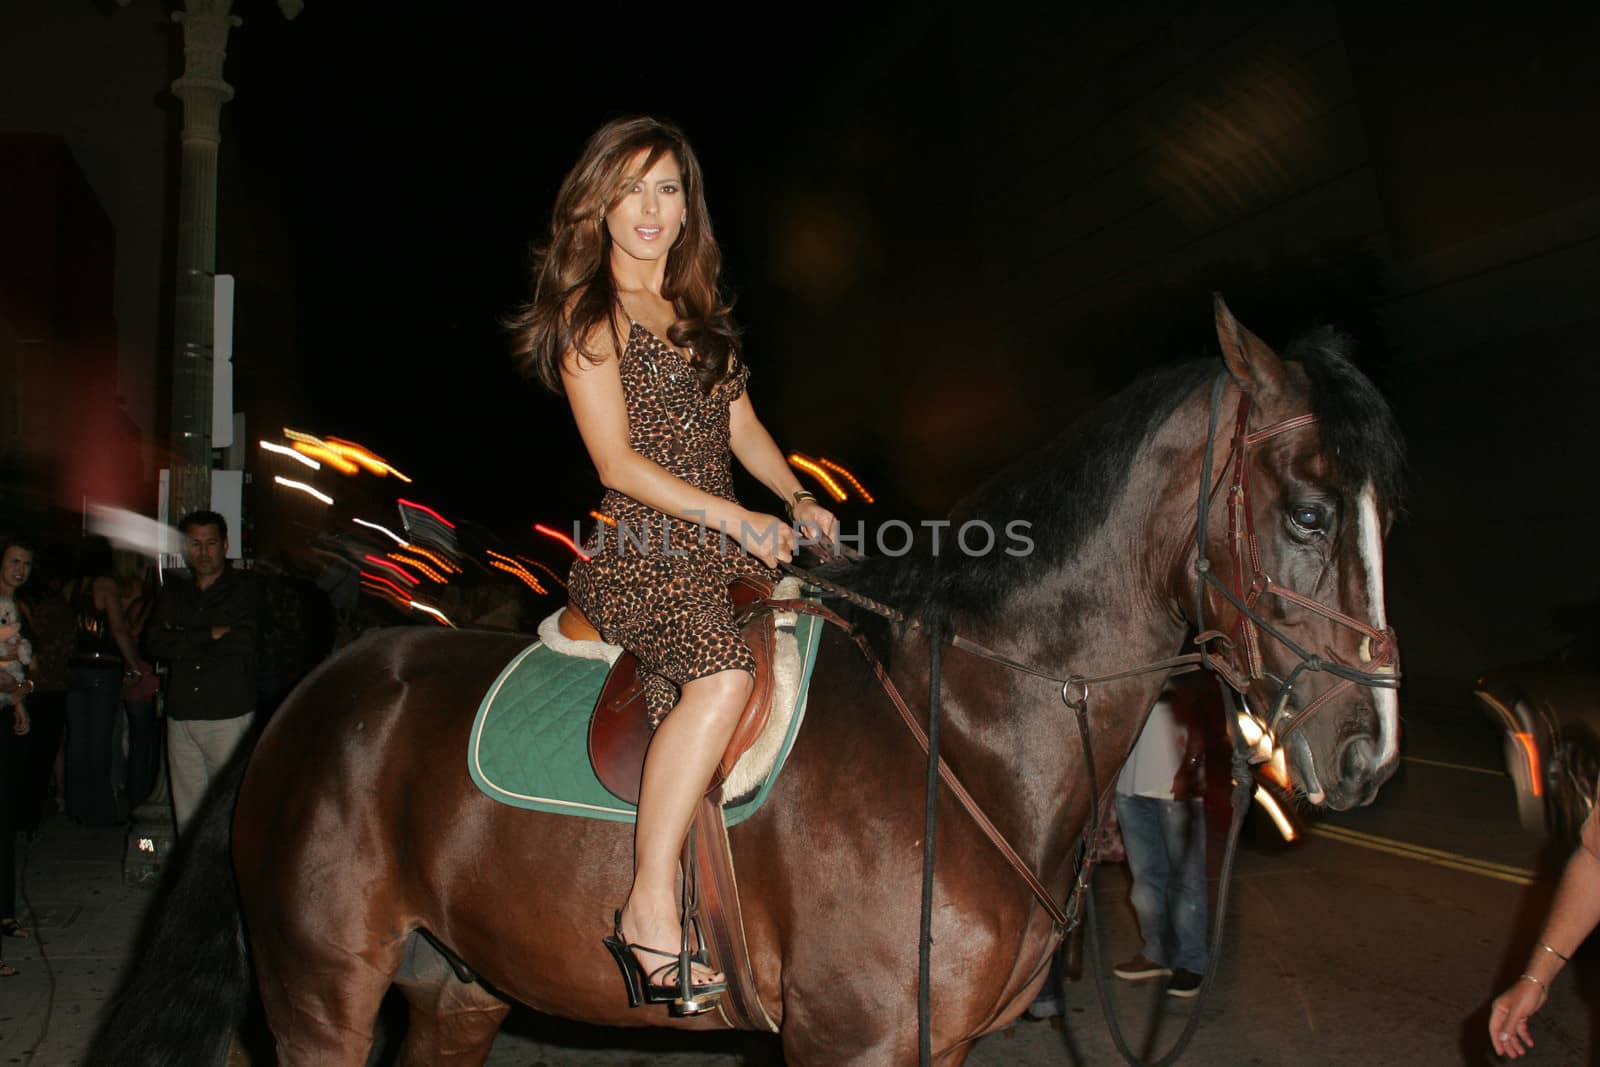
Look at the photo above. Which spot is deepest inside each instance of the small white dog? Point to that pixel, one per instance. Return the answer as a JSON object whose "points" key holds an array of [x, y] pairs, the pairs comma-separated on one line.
{"points": [[11, 640]]}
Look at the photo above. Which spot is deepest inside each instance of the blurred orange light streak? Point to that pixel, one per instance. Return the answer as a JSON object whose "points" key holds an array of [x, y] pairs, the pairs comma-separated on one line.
{"points": [[290, 483], [441, 561], [399, 557], [603, 517], [535, 563], [364, 456], [527, 579], [326, 455], [822, 476], [563, 538], [1531, 751], [285, 450], [506, 563], [349, 453], [427, 509], [851, 478]]}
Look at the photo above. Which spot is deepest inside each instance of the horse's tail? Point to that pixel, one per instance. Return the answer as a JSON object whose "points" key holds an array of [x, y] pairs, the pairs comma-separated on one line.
{"points": [[188, 984]]}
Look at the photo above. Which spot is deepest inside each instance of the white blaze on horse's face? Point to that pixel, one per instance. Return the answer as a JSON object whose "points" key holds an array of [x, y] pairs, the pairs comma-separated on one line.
{"points": [[1387, 701]]}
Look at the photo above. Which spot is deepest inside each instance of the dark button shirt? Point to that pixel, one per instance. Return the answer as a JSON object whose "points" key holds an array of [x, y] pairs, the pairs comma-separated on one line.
{"points": [[210, 678]]}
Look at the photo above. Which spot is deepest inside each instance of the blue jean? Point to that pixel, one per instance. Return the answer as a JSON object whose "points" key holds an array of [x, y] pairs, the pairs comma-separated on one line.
{"points": [[1166, 843], [94, 706]]}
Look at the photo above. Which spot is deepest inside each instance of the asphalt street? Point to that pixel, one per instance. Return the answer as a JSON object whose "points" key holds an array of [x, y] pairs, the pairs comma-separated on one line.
{"points": [[1379, 937]]}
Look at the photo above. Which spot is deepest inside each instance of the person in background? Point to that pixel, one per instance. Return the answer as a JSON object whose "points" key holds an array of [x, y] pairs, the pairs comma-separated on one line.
{"points": [[1573, 917], [207, 628], [139, 769], [1159, 805], [104, 651], [9, 926], [16, 564], [38, 766]]}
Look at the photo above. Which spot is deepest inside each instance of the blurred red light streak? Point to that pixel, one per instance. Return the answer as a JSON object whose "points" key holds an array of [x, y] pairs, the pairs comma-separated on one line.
{"points": [[393, 566], [427, 509], [401, 593], [563, 538]]}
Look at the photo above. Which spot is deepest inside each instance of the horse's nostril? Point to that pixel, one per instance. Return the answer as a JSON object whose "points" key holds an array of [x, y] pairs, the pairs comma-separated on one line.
{"points": [[1357, 758]]}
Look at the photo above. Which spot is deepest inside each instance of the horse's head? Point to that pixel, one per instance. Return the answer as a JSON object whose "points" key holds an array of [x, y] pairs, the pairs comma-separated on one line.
{"points": [[1305, 464]]}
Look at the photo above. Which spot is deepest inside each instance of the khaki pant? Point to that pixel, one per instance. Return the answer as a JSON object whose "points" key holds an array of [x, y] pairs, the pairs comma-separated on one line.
{"points": [[197, 750]]}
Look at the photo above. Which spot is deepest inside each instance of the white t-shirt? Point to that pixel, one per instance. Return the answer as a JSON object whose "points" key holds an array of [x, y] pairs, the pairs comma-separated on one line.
{"points": [[1156, 756]]}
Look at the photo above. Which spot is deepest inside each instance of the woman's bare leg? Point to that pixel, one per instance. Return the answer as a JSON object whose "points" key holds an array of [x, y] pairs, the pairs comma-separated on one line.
{"points": [[678, 767]]}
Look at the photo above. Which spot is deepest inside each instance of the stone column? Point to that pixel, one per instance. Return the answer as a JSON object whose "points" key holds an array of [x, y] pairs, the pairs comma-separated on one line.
{"points": [[205, 40], [203, 92]]}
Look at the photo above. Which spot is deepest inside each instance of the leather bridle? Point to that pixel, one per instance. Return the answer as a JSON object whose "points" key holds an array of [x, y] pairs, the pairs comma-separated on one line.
{"points": [[1251, 585]]}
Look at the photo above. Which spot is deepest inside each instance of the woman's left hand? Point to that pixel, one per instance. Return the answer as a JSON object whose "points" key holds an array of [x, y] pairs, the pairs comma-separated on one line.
{"points": [[816, 521], [1508, 1017]]}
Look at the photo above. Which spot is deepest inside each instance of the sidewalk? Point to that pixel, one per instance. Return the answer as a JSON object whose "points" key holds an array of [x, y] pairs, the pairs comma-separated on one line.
{"points": [[84, 921]]}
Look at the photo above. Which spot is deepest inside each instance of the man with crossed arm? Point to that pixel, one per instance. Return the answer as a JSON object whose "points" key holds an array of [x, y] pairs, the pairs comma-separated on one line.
{"points": [[208, 630]]}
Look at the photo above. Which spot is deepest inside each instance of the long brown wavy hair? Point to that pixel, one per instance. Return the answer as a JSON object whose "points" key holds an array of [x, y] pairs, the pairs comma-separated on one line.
{"points": [[573, 291]]}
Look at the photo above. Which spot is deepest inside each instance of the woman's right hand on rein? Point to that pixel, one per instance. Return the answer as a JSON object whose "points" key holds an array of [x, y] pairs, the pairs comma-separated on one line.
{"points": [[767, 538]]}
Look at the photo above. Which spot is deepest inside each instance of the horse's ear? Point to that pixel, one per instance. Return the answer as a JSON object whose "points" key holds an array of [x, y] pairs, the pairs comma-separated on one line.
{"points": [[1252, 363]]}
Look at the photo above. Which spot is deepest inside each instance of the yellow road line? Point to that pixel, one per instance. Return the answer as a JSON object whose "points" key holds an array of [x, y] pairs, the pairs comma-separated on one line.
{"points": [[1455, 766], [1345, 831], [1436, 857]]}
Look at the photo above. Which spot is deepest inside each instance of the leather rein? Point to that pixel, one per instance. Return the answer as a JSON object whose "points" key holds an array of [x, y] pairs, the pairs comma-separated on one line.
{"points": [[1245, 596]]}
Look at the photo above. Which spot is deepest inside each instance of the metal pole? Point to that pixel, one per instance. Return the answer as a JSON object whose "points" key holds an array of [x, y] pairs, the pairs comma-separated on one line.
{"points": [[203, 92]]}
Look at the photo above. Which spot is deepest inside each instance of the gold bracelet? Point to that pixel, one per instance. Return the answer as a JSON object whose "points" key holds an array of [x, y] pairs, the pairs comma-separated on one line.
{"points": [[1536, 981], [800, 496], [1553, 952]]}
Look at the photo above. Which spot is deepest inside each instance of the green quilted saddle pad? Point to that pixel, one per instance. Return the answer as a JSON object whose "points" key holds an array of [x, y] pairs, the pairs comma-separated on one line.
{"points": [[530, 740]]}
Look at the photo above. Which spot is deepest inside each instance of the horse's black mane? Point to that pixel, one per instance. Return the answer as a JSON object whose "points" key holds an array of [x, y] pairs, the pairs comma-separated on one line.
{"points": [[1354, 419], [1065, 490]]}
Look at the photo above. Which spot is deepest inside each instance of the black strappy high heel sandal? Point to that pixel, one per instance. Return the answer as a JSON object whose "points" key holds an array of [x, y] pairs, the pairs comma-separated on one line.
{"points": [[683, 996]]}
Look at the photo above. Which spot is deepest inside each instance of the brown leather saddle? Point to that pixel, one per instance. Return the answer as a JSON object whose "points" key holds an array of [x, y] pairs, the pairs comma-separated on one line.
{"points": [[619, 731]]}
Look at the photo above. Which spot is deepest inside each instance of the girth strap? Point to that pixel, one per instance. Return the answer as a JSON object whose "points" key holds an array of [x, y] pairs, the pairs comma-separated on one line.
{"points": [[723, 919]]}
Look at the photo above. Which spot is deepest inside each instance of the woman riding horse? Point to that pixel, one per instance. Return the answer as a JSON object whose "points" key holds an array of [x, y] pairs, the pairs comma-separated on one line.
{"points": [[628, 321], [1245, 498]]}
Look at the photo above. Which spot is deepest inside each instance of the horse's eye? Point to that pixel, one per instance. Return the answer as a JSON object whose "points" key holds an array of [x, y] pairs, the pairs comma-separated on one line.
{"points": [[1312, 518]]}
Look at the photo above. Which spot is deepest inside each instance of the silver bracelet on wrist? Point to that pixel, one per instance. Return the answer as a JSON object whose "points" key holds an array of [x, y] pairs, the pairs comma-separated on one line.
{"points": [[1553, 952]]}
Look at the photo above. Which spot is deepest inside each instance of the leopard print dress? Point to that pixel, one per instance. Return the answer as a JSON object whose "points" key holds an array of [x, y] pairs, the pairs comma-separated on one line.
{"points": [[655, 584]]}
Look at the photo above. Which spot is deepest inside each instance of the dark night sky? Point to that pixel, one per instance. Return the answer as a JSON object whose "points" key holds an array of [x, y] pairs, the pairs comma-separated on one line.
{"points": [[949, 231], [394, 167]]}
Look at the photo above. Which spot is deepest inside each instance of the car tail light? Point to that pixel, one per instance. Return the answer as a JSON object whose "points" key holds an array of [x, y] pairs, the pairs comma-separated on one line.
{"points": [[1530, 752]]}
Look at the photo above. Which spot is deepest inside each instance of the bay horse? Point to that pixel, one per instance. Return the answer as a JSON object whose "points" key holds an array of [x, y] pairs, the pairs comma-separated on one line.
{"points": [[362, 849]]}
